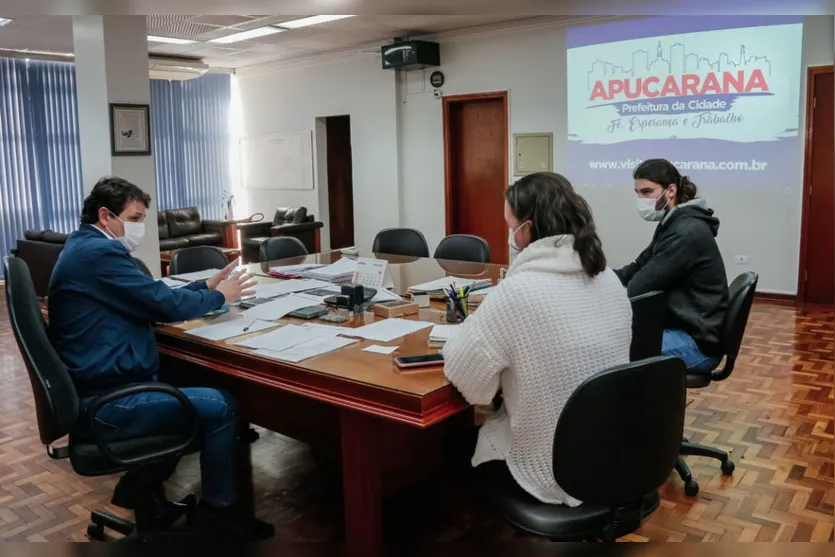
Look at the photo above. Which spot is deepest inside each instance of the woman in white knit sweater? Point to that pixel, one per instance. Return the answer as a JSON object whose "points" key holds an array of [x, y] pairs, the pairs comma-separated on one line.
{"points": [[559, 317]]}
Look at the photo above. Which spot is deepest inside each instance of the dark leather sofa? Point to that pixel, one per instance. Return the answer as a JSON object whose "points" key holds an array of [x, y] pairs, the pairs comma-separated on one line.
{"points": [[286, 222], [183, 228], [178, 228]]}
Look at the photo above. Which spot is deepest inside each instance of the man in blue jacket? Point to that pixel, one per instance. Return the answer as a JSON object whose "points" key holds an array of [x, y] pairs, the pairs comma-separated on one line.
{"points": [[101, 313]]}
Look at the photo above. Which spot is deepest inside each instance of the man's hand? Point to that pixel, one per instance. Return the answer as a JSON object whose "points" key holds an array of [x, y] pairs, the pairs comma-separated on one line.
{"points": [[237, 286], [220, 275]]}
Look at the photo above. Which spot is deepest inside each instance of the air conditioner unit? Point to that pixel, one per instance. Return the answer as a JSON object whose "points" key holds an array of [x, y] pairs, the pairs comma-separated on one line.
{"points": [[175, 68]]}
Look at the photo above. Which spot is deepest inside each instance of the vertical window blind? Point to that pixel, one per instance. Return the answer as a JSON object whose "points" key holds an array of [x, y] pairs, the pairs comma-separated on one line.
{"points": [[40, 153]]}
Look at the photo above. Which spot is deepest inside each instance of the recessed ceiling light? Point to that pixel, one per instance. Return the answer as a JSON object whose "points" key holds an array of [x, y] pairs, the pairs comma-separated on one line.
{"points": [[244, 35], [171, 40], [4, 21], [312, 20]]}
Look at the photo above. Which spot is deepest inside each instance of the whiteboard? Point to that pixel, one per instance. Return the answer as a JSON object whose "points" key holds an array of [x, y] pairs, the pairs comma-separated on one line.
{"points": [[277, 161]]}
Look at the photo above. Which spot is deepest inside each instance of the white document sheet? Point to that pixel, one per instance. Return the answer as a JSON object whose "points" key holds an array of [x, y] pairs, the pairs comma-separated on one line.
{"points": [[230, 329], [443, 283], [197, 275], [287, 337], [171, 283], [377, 349], [271, 290], [295, 269], [270, 311], [311, 348], [387, 329], [442, 332], [385, 296], [336, 272]]}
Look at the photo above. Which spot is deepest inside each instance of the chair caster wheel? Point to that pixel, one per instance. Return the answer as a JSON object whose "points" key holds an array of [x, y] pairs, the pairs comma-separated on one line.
{"points": [[96, 532], [728, 467], [691, 488]]}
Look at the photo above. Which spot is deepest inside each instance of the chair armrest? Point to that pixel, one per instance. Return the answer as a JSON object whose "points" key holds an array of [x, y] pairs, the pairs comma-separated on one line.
{"points": [[253, 229], [296, 227], [210, 225], [177, 450]]}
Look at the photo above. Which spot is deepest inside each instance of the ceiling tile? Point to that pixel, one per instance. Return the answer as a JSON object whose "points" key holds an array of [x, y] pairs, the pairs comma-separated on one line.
{"points": [[181, 27], [223, 20]]}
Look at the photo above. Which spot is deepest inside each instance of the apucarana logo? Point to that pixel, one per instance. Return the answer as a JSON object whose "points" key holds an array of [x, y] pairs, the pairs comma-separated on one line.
{"points": [[713, 83], [731, 84], [699, 83]]}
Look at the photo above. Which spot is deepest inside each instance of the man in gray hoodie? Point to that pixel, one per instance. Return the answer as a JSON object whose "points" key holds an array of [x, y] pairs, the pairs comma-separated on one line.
{"points": [[683, 260]]}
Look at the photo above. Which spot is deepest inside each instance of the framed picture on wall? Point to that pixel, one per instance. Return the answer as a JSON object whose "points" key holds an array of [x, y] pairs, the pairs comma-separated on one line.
{"points": [[130, 129]]}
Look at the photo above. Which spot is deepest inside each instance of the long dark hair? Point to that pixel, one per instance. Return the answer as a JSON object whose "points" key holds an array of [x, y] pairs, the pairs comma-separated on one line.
{"points": [[549, 201], [664, 173]]}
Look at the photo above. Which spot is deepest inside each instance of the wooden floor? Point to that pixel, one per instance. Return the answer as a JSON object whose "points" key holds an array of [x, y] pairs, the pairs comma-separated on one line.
{"points": [[775, 414]]}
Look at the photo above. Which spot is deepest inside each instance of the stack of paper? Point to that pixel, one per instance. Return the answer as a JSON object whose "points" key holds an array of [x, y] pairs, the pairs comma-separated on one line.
{"points": [[197, 275], [266, 291], [294, 270], [387, 330], [309, 349], [270, 311], [341, 271], [440, 334], [171, 283], [294, 343], [230, 329], [288, 336], [437, 287]]}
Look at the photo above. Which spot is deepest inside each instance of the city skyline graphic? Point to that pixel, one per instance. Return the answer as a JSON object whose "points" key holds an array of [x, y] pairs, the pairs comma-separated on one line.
{"points": [[679, 62]]}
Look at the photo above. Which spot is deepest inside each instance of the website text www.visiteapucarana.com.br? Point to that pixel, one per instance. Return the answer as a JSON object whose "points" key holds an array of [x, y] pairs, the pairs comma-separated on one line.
{"points": [[630, 164]]}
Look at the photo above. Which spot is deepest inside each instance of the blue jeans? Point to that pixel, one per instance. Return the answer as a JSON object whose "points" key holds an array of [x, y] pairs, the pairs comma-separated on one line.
{"points": [[159, 413], [682, 345]]}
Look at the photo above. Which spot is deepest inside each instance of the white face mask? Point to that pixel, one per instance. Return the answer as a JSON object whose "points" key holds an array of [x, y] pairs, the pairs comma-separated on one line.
{"points": [[511, 241], [134, 232], [647, 210]]}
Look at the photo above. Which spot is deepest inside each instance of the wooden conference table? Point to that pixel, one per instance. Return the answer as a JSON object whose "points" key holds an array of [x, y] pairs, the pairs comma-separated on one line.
{"points": [[389, 426]]}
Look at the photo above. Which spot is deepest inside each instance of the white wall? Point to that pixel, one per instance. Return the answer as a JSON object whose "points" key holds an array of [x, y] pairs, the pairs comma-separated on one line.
{"points": [[290, 101], [530, 65]]}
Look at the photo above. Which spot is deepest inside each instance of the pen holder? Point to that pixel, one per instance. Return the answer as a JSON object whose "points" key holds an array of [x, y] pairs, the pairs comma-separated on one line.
{"points": [[454, 313]]}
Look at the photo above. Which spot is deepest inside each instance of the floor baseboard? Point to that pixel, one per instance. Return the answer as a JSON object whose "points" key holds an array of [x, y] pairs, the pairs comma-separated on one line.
{"points": [[775, 298]]}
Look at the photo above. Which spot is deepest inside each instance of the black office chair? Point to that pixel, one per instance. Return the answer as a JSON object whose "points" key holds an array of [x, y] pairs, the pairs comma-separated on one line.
{"points": [[57, 409], [463, 247], [281, 247], [740, 299], [648, 314], [613, 460], [141, 266], [197, 258], [401, 241]]}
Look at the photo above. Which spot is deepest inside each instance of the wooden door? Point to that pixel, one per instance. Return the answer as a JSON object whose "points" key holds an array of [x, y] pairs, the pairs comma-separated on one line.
{"points": [[340, 181], [476, 173], [817, 273]]}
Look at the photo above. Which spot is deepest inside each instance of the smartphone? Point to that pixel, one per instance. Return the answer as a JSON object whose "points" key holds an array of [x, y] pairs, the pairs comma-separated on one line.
{"points": [[252, 302], [419, 361], [311, 312]]}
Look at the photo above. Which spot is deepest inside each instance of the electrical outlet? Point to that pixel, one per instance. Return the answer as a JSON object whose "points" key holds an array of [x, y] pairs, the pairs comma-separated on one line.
{"points": [[741, 259]]}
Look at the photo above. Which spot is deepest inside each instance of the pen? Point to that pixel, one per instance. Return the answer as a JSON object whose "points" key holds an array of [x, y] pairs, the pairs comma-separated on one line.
{"points": [[251, 323]]}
